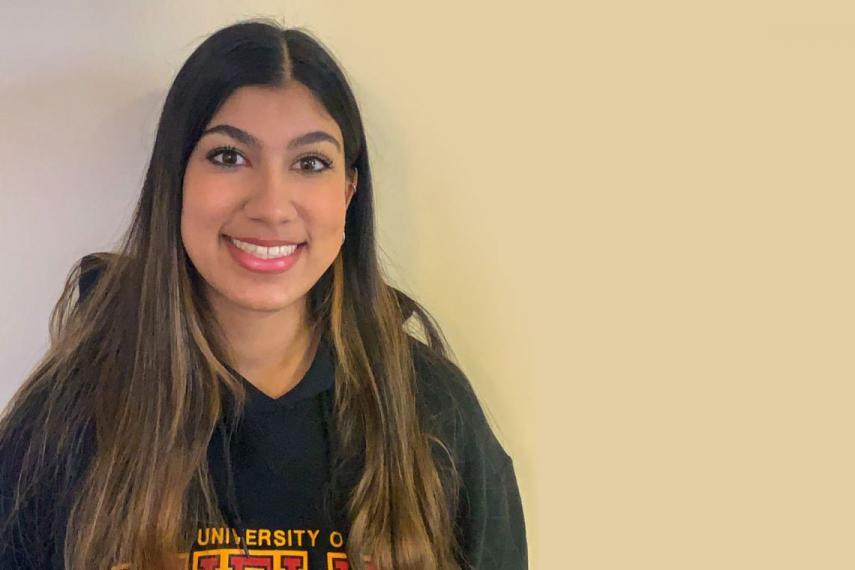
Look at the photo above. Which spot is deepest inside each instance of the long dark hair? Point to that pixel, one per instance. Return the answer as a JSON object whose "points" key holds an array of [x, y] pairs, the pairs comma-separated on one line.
{"points": [[138, 371]]}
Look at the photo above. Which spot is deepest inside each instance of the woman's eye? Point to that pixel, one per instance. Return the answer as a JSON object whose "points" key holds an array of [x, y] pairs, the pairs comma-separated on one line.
{"points": [[313, 164], [230, 157]]}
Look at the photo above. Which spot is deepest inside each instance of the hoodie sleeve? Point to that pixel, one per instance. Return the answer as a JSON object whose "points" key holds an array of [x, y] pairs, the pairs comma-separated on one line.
{"points": [[35, 537], [8, 549], [17, 536], [489, 522]]}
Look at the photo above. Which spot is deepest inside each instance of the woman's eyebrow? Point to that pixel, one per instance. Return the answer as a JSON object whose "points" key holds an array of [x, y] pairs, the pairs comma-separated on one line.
{"points": [[242, 136]]}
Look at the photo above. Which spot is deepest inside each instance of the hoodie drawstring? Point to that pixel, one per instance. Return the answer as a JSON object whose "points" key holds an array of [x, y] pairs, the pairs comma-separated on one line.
{"points": [[231, 496]]}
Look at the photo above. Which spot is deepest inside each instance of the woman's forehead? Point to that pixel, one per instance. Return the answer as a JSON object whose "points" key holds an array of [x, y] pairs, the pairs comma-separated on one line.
{"points": [[274, 115]]}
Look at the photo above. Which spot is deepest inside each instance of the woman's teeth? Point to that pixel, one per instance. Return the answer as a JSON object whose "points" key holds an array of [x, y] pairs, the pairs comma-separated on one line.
{"points": [[264, 252]]}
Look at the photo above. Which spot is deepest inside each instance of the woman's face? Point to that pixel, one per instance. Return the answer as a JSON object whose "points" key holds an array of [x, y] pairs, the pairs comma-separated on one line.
{"points": [[265, 196]]}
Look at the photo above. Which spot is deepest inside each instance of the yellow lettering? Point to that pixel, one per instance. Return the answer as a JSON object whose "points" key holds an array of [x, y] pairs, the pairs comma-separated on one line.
{"points": [[207, 536], [313, 535], [279, 538], [263, 537], [336, 540], [251, 537], [300, 534]]}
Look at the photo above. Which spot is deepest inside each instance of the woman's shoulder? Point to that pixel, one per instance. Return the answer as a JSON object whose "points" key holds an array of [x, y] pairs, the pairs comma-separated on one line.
{"points": [[31, 534], [449, 405], [489, 519]]}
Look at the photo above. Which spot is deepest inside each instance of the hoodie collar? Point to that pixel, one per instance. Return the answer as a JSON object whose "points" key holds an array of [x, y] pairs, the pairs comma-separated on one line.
{"points": [[319, 378]]}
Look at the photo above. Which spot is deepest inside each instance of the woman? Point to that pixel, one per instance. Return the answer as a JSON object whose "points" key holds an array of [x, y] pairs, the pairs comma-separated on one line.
{"points": [[237, 386]]}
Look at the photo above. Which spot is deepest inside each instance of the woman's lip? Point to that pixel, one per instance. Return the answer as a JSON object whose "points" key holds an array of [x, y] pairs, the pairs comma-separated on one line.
{"points": [[259, 265], [266, 242]]}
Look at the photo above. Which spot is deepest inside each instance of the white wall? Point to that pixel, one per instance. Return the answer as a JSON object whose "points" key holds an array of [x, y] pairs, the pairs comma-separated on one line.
{"points": [[634, 220]]}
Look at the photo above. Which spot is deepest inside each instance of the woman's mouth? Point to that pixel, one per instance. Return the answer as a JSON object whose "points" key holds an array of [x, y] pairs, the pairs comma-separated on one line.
{"points": [[264, 252], [258, 258]]}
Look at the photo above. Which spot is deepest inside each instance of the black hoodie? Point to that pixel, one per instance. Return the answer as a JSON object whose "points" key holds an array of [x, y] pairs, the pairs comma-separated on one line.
{"points": [[286, 505]]}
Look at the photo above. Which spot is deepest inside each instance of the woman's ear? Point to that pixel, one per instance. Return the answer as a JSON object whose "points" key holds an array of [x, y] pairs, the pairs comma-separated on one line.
{"points": [[351, 187]]}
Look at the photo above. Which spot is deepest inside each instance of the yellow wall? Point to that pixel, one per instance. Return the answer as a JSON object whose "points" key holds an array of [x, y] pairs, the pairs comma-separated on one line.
{"points": [[633, 220]]}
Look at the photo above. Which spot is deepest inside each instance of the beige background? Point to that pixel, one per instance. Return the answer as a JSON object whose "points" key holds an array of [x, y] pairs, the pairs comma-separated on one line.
{"points": [[633, 219]]}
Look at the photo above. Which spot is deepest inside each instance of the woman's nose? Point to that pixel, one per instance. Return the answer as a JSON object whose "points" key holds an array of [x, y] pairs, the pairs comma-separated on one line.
{"points": [[271, 197]]}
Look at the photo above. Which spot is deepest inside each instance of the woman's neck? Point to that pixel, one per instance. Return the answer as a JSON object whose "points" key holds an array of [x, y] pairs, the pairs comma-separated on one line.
{"points": [[272, 350]]}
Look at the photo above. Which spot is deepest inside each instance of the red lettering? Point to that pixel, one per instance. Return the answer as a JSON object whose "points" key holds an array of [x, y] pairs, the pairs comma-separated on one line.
{"points": [[242, 561], [208, 562], [292, 562]]}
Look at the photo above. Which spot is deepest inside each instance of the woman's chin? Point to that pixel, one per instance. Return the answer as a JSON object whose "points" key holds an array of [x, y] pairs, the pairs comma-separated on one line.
{"points": [[257, 300], [264, 304]]}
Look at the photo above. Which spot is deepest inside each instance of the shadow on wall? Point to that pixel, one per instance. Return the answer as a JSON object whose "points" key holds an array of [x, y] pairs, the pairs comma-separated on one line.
{"points": [[73, 156]]}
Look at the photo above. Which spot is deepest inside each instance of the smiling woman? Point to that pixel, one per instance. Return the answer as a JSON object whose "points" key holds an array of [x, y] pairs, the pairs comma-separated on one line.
{"points": [[268, 172], [236, 386]]}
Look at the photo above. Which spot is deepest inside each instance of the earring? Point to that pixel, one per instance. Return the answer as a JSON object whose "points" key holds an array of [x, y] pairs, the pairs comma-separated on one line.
{"points": [[343, 233]]}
